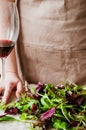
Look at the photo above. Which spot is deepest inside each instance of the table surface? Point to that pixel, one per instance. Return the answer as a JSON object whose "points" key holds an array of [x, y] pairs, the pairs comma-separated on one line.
{"points": [[14, 125]]}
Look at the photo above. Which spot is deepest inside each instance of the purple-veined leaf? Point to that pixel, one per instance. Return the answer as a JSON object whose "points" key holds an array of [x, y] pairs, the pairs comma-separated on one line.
{"points": [[48, 114]]}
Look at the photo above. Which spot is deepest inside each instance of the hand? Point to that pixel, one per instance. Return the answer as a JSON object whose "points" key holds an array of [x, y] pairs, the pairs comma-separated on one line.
{"points": [[12, 81]]}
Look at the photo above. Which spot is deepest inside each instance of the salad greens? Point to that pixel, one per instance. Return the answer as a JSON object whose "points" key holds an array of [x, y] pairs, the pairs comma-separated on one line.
{"points": [[7, 118], [62, 107]]}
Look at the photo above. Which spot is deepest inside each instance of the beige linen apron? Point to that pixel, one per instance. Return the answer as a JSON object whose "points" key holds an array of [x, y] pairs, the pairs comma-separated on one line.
{"points": [[52, 41]]}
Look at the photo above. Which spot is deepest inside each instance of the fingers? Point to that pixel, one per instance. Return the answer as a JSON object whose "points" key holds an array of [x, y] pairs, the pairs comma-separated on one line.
{"points": [[8, 90], [7, 93], [1, 90], [19, 89]]}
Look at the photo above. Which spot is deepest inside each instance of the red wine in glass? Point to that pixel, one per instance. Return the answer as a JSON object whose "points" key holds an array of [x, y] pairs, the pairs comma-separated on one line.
{"points": [[6, 47], [9, 31]]}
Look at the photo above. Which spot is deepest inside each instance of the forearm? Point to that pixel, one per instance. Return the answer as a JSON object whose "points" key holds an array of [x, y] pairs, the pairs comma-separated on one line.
{"points": [[11, 65]]}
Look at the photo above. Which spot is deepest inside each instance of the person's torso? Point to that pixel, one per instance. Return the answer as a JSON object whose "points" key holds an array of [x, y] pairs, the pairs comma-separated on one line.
{"points": [[52, 41]]}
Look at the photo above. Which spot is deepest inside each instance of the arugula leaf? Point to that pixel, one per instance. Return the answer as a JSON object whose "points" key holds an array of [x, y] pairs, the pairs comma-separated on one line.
{"points": [[7, 118], [59, 124]]}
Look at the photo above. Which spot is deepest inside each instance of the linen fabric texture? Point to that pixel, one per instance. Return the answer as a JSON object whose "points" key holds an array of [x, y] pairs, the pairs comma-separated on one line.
{"points": [[52, 40]]}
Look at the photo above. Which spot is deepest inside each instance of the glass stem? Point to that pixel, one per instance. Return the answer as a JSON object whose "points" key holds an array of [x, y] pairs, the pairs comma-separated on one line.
{"points": [[3, 69]]}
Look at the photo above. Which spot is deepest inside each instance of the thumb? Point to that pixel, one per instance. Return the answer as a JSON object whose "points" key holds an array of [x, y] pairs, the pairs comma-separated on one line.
{"points": [[19, 89]]}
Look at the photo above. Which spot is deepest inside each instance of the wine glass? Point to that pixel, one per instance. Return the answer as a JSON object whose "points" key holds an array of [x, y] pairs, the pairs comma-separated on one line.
{"points": [[9, 30]]}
